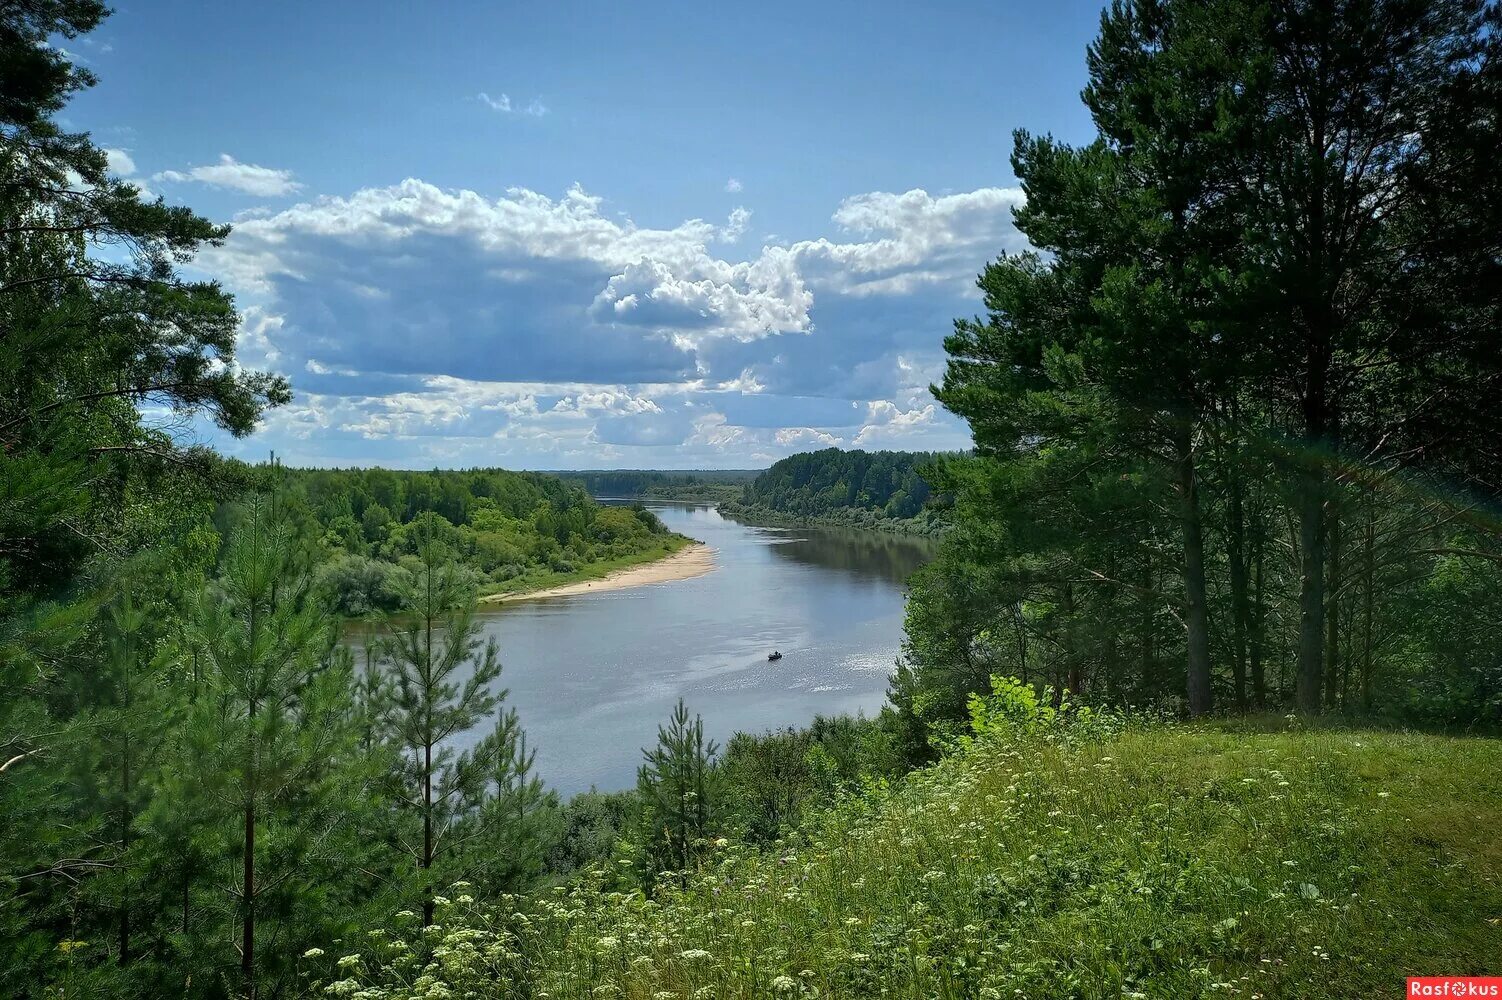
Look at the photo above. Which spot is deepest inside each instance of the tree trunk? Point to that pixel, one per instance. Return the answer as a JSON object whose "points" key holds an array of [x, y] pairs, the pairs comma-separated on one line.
{"points": [[427, 835], [124, 851], [1368, 599], [1112, 663], [1255, 635], [1196, 611], [1021, 640], [247, 891], [1074, 675], [1149, 646], [1240, 602], [248, 861], [1320, 326], [1332, 608], [1309, 681], [427, 749], [125, 817]]}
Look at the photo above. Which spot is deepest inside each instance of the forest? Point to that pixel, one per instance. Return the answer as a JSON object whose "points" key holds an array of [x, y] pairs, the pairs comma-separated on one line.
{"points": [[703, 486], [1199, 699], [514, 531], [886, 490], [1234, 413]]}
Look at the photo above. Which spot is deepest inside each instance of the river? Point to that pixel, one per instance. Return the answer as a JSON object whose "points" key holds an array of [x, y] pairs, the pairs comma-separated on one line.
{"points": [[592, 675]]}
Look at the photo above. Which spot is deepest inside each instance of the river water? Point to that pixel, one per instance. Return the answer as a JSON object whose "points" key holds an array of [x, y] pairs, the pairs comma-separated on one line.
{"points": [[593, 675]]}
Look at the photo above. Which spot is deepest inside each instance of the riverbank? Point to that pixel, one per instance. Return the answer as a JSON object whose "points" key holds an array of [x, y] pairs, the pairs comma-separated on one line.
{"points": [[684, 561], [925, 525]]}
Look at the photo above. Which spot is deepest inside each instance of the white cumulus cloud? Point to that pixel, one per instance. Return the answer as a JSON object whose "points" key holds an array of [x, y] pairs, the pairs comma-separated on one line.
{"points": [[120, 162], [229, 173], [442, 325], [913, 238]]}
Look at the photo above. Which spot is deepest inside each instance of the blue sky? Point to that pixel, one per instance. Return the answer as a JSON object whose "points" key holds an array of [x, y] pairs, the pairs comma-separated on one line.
{"points": [[591, 235]]}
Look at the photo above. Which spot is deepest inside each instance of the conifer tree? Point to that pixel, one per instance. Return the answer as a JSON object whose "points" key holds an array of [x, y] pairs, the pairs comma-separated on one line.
{"points": [[443, 673], [675, 785], [519, 814], [274, 717], [129, 732]]}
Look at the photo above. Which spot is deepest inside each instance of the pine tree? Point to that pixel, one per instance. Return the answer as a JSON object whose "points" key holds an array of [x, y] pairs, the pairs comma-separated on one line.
{"points": [[129, 733], [443, 673], [675, 785], [519, 815], [274, 716], [1359, 104]]}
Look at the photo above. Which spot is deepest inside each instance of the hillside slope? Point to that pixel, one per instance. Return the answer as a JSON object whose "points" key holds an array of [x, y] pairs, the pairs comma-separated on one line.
{"points": [[1168, 862], [876, 489]]}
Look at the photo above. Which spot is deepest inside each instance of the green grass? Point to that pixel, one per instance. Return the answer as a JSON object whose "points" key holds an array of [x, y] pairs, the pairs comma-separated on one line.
{"points": [[1163, 861], [543, 579]]}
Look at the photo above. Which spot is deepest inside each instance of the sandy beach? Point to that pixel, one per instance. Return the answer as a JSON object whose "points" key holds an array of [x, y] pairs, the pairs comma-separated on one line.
{"points": [[685, 564]]}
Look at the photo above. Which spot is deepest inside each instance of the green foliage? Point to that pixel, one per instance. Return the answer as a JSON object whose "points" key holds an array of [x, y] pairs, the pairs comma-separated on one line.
{"points": [[708, 486], [592, 829], [519, 820], [1164, 861], [1234, 445], [769, 782], [511, 530], [442, 674], [267, 742], [1014, 710], [95, 320], [882, 489], [357, 586], [677, 794], [1198, 478]]}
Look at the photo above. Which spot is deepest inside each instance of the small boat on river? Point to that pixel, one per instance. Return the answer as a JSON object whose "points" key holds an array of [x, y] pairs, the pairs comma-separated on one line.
{"points": [[774, 655]]}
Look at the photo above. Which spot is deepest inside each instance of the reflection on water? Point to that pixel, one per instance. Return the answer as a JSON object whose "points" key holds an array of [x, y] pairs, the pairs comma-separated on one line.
{"points": [[592, 675], [862, 553], [880, 554]]}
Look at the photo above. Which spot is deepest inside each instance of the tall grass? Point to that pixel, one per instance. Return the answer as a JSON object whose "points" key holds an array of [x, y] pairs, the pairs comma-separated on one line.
{"points": [[1159, 861]]}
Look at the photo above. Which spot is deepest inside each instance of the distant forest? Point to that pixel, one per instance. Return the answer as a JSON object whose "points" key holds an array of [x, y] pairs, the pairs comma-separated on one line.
{"points": [[879, 489], [708, 485], [509, 530]]}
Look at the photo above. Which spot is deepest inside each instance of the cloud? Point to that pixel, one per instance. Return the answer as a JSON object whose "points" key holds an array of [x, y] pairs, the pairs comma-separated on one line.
{"points": [[120, 162], [441, 326], [453, 265], [913, 239], [800, 438], [732, 186], [746, 301], [229, 173], [918, 429], [253, 344], [533, 108], [735, 226]]}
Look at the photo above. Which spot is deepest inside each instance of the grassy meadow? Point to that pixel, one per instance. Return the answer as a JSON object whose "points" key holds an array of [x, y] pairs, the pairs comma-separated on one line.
{"points": [[1160, 861]]}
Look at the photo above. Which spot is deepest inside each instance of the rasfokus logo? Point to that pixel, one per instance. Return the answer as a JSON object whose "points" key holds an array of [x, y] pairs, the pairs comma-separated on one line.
{"points": [[1455, 986]]}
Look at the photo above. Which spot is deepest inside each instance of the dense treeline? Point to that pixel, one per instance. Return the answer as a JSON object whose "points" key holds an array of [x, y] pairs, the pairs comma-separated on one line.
{"points": [[1235, 417], [864, 488], [709, 486], [512, 530]]}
